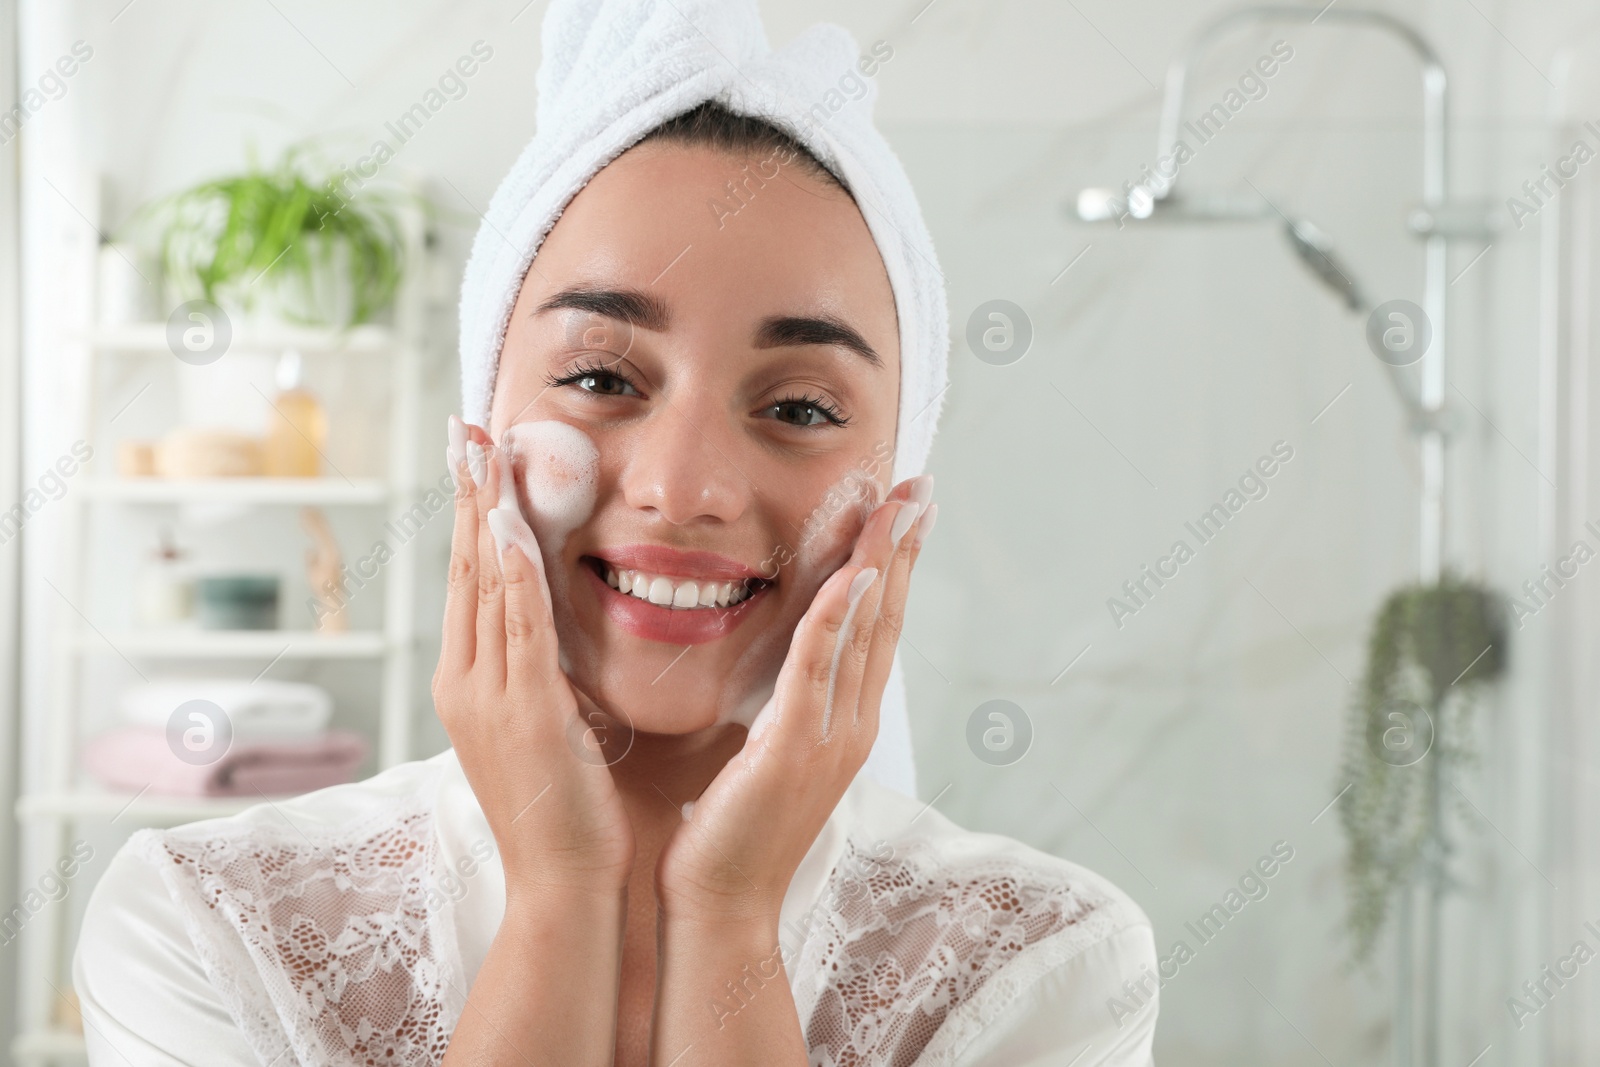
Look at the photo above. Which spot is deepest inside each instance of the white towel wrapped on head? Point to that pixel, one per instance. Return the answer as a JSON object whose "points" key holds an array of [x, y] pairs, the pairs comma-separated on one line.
{"points": [[612, 71]]}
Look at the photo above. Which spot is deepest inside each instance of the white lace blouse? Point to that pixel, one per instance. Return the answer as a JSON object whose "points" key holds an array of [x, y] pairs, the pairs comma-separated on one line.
{"points": [[346, 926]]}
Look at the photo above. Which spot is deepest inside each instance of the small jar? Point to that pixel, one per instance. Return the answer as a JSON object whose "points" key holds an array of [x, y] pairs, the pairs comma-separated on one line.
{"points": [[165, 588]]}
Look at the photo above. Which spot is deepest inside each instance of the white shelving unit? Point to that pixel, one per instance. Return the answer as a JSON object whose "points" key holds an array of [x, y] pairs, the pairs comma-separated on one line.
{"points": [[239, 490], [234, 644], [51, 814]]}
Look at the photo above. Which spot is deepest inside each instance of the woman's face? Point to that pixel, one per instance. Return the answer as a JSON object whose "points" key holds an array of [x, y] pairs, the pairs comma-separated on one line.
{"points": [[698, 393]]}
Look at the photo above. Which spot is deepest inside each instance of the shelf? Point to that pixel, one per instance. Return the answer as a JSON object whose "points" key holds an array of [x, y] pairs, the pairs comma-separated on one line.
{"points": [[140, 809], [239, 490], [49, 1046], [152, 337], [236, 644], [94, 527]]}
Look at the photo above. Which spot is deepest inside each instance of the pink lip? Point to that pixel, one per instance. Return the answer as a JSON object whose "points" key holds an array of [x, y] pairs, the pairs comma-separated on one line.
{"points": [[675, 563], [674, 626]]}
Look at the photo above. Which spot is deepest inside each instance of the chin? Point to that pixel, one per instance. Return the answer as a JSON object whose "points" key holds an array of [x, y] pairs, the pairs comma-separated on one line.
{"points": [[674, 714], [663, 665]]}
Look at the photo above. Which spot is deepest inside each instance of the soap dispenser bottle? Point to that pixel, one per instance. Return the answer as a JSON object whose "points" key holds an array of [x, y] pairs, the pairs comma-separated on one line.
{"points": [[299, 426]]}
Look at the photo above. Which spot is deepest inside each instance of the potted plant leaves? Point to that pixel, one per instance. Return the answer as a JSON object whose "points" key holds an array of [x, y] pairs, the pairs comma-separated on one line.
{"points": [[1432, 650], [294, 241]]}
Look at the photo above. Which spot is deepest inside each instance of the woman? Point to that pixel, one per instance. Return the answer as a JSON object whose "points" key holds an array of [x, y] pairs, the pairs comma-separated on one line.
{"points": [[678, 572]]}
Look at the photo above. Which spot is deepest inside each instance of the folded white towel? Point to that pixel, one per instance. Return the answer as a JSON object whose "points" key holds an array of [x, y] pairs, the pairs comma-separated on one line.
{"points": [[257, 711], [613, 70]]}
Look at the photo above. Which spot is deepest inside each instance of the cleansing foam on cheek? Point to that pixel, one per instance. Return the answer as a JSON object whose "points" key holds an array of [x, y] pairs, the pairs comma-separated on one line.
{"points": [[827, 538], [829, 533], [560, 468]]}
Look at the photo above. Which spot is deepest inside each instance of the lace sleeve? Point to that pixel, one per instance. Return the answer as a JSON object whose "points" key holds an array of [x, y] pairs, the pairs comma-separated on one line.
{"points": [[321, 942], [905, 960]]}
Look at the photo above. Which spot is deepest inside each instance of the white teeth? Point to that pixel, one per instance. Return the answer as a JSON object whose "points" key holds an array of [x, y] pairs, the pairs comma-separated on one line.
{"points": [[682, 594]]}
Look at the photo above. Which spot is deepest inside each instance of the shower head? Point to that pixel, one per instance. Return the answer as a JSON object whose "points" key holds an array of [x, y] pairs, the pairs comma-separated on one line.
{"points": [[1316, 252], [1310, 244], [1138, 203]]}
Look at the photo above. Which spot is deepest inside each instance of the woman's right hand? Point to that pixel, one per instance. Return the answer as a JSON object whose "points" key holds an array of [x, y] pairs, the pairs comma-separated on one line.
{"points": [[515, 720]]}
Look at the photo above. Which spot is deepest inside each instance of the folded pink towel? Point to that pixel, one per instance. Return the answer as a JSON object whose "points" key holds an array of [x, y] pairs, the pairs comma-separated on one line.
{"points": [[136, 757]]}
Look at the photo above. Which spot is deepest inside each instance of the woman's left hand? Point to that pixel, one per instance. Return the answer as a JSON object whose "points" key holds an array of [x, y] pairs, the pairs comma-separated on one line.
{"points": [[721, 879], [732, 859]]}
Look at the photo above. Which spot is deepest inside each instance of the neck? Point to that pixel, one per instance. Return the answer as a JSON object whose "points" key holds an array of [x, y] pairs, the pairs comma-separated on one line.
{"points": [[655, 778], [662, 771]]}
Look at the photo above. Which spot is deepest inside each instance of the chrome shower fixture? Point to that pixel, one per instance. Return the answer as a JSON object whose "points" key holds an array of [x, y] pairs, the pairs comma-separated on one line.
{"points": [[1316, 252]]}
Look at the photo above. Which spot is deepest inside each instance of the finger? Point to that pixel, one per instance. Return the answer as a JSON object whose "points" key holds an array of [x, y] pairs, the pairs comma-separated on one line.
{"points": [[531, 658], [802, 712], [889, 619], [459, 639], [877, 547], [820, 684], [477, 440], [491, 641], [457, 449]]}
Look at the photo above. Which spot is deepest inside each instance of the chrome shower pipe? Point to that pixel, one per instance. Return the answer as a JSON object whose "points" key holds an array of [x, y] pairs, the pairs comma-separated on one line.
{"points": [[1431, 443], [1435, 100]]}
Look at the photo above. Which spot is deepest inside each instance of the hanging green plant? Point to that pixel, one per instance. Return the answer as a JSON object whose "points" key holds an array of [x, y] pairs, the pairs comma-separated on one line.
{"points": [[328, 254], [1431, 651]]}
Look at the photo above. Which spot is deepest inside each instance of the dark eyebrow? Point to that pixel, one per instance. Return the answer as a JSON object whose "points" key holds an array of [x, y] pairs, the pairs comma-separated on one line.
{"points": [[782, 330], [633, 306], [642, 309]]}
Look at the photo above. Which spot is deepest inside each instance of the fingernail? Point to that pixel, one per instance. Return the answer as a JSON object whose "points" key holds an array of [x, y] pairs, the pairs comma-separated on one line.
{"points": [[451, 461], [457, 431], [859, 584], [925, 527], [500, 527], [922, 490], [509, 528], [475, 462], [903, 520]]}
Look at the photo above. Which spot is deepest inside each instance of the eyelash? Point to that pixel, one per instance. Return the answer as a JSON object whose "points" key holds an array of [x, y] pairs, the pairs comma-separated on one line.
{"points": [[829, 412], [585, 370], [588, 370]]}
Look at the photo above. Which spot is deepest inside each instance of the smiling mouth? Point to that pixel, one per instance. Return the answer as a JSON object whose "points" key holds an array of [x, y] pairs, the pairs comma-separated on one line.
{"points": [[686, 594]]}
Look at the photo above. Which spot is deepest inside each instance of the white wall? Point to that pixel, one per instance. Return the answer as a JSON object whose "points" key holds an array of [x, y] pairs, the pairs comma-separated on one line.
{"points": [[1183, 744]]}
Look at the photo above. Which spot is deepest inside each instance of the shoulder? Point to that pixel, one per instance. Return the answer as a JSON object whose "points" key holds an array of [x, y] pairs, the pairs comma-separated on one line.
{"points": [[347, 834], [184, 935], [985, 947], [956, 862], [136, 878], [134, 964]]}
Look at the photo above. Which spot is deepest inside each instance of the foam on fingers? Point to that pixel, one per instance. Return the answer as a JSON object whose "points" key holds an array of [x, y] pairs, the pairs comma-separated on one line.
{"points": [[858, 586], [559, 470], [508, 529]]}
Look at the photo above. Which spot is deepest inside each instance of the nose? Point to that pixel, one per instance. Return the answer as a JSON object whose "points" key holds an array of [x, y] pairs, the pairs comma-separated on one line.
{"points": [[682, 466]]}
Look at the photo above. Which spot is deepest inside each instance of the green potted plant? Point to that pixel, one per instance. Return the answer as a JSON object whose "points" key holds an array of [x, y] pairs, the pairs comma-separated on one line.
{"points": [[293, 240], [1432, 650]]}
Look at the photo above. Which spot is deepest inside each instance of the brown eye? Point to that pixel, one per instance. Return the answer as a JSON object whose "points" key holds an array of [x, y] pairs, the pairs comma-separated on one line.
{"points": [[596, 381], [605, 384], [805, 411]]}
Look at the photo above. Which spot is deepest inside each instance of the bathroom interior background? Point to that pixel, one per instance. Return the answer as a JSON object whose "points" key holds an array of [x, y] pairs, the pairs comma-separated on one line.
{"points": [[1182, 744]]}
